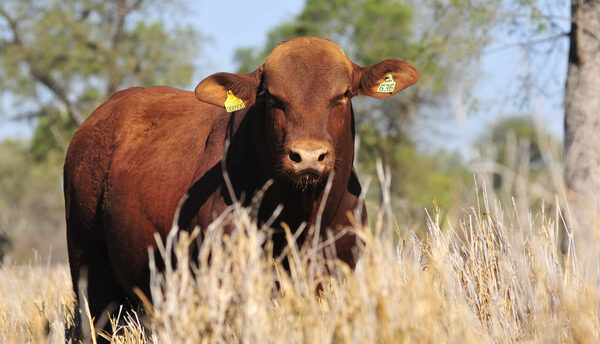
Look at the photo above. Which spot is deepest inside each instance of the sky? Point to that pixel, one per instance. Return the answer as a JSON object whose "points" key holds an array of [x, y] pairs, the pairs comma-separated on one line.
{"points": [[233, 24], [230, 24], [499, 90]]}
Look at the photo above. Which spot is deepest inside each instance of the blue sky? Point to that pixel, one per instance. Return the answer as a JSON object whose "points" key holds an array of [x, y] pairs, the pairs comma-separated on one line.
{"points": [[231, 24], [501, 82]]}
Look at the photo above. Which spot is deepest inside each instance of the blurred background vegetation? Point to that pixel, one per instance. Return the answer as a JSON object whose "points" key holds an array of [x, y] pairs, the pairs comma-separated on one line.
{"points": [[59, 59]]}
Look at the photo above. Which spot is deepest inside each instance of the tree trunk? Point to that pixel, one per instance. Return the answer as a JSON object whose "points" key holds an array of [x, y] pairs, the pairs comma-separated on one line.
{"points": [[582, 127]]}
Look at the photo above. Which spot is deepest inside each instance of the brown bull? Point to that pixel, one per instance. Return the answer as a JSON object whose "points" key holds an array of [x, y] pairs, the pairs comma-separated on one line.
{"points": [[140, 152]]}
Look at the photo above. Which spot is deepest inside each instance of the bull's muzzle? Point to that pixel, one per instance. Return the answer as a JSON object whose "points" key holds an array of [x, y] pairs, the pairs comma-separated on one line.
{"points": [[310, 157]]}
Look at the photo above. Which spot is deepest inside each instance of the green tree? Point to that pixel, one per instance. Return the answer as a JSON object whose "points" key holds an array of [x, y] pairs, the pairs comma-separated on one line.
{"points": [[62, 58], [523, 160], [522, 133], [31, 205]]}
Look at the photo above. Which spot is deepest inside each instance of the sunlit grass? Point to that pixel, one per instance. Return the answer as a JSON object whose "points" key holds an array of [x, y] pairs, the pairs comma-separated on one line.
{"points": [[36, 303], [488, 279]]}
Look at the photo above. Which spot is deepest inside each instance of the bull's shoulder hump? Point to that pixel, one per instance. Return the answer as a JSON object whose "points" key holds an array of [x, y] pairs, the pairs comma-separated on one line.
{"points": [[136, 117], [161, 122]]}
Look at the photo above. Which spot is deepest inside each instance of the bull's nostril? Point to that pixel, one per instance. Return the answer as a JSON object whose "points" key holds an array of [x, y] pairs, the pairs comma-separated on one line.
{"points": [[295, 157], [322, 156]]}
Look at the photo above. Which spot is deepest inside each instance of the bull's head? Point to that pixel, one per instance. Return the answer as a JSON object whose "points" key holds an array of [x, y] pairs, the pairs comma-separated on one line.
{"points": [[305, 87]]}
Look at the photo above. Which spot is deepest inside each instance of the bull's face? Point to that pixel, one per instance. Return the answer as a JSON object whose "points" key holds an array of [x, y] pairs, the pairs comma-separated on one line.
{"points": [[306, 94], [305, 87]]}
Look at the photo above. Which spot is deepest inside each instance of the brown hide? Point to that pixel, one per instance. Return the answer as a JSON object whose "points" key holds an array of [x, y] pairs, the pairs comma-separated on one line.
{"points": [[140, 152]]}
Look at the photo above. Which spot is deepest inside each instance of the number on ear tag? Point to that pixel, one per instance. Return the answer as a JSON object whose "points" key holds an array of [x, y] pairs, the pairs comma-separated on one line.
{"points": [[233, 103], [388, 85]]}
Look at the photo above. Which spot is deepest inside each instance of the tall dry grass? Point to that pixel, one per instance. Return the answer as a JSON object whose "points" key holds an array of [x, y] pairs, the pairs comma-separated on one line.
{"points": [[498, 276], [36, 303]]}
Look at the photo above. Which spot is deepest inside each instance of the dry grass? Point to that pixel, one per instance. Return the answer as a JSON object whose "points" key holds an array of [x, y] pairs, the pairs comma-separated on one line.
{"points": [[490, 279], [35, 304]]}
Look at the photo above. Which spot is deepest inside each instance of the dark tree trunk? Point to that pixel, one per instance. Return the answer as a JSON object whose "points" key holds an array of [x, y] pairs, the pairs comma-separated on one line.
{"points": [[582, 126]]}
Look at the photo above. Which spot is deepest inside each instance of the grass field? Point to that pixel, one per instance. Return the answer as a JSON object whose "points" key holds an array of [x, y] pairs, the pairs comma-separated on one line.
{"points": [[498, 276]]}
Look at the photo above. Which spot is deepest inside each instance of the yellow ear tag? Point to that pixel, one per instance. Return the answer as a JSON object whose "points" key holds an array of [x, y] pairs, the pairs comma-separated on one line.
{"points": [[388, 85], [233, 103]]}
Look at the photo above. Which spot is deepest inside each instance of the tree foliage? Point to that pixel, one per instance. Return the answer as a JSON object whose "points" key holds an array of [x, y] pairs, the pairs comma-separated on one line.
{"points": [[523, 161], [522, 131], [31, 206], [418, 179], [61, 58]]}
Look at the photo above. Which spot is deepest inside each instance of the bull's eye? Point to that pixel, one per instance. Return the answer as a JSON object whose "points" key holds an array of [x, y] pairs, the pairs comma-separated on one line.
{"points": [[276, 102], [272, 100], [348, 94], [342, 100]]}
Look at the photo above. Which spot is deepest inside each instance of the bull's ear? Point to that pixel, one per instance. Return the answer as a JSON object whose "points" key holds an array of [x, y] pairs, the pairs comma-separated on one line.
{"points": [[384, 79], [214, 89]]}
